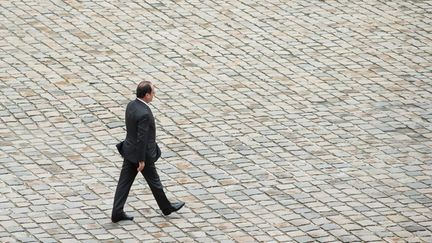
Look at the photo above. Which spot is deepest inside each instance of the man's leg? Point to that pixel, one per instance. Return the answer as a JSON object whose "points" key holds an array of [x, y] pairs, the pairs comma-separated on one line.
{"points": [[127, 177], [153, 180]]}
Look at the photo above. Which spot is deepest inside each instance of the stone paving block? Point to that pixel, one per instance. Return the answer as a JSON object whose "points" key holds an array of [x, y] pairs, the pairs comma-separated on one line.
{"points": [[278, 121]]}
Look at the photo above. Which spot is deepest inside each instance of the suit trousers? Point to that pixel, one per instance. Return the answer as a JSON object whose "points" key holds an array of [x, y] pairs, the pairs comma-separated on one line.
{"points": [[127, 177]]}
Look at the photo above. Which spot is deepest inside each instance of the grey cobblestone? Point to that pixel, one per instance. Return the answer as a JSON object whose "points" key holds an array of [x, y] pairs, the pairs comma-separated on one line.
{"points": [[279, 121]]}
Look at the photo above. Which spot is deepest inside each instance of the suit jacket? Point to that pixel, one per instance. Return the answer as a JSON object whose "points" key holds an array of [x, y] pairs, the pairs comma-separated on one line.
{"points": [[140, 143]]}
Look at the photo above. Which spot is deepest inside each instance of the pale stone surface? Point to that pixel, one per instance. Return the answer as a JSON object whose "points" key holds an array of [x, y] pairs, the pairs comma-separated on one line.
{"points": [[279, 121]]}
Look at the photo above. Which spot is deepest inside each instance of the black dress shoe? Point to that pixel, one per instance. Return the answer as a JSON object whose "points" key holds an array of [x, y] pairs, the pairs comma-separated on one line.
{"points": [[122, 216], [174, 208]]}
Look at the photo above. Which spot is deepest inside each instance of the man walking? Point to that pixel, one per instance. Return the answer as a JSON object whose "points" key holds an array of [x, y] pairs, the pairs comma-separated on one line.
{"points": [[140, 152]]}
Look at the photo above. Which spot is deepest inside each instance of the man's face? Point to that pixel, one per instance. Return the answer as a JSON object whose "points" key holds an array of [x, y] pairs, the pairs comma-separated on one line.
{"points": [[149, 96]]}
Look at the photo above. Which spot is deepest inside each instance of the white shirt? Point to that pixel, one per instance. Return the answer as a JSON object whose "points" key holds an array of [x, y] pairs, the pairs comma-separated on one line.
{"points": [[143, 102]]}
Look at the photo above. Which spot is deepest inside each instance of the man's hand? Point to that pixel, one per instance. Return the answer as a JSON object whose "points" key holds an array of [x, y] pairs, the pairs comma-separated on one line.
{"points": [[140, 166]]}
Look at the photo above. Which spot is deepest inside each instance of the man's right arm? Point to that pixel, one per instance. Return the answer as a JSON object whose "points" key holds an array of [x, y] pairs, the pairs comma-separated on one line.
{"points": [[141, 165], [142, 136]]}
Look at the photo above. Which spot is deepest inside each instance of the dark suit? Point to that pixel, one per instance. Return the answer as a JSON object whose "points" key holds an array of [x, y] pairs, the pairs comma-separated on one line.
{"points": [[139, 145]]}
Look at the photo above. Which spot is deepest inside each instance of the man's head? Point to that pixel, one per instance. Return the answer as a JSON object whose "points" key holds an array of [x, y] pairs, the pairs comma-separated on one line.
{"points": [[146, 91]]}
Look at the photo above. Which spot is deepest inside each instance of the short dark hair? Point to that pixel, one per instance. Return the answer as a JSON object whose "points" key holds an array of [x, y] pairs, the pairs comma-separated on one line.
{"points": [[145, 87]]}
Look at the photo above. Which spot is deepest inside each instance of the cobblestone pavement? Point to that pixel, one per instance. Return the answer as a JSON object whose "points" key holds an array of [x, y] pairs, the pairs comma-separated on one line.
{"points": [[279, 121]]}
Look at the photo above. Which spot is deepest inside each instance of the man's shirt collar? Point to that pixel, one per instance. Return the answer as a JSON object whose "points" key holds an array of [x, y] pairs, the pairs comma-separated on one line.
{"points": [[143, 102]]}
